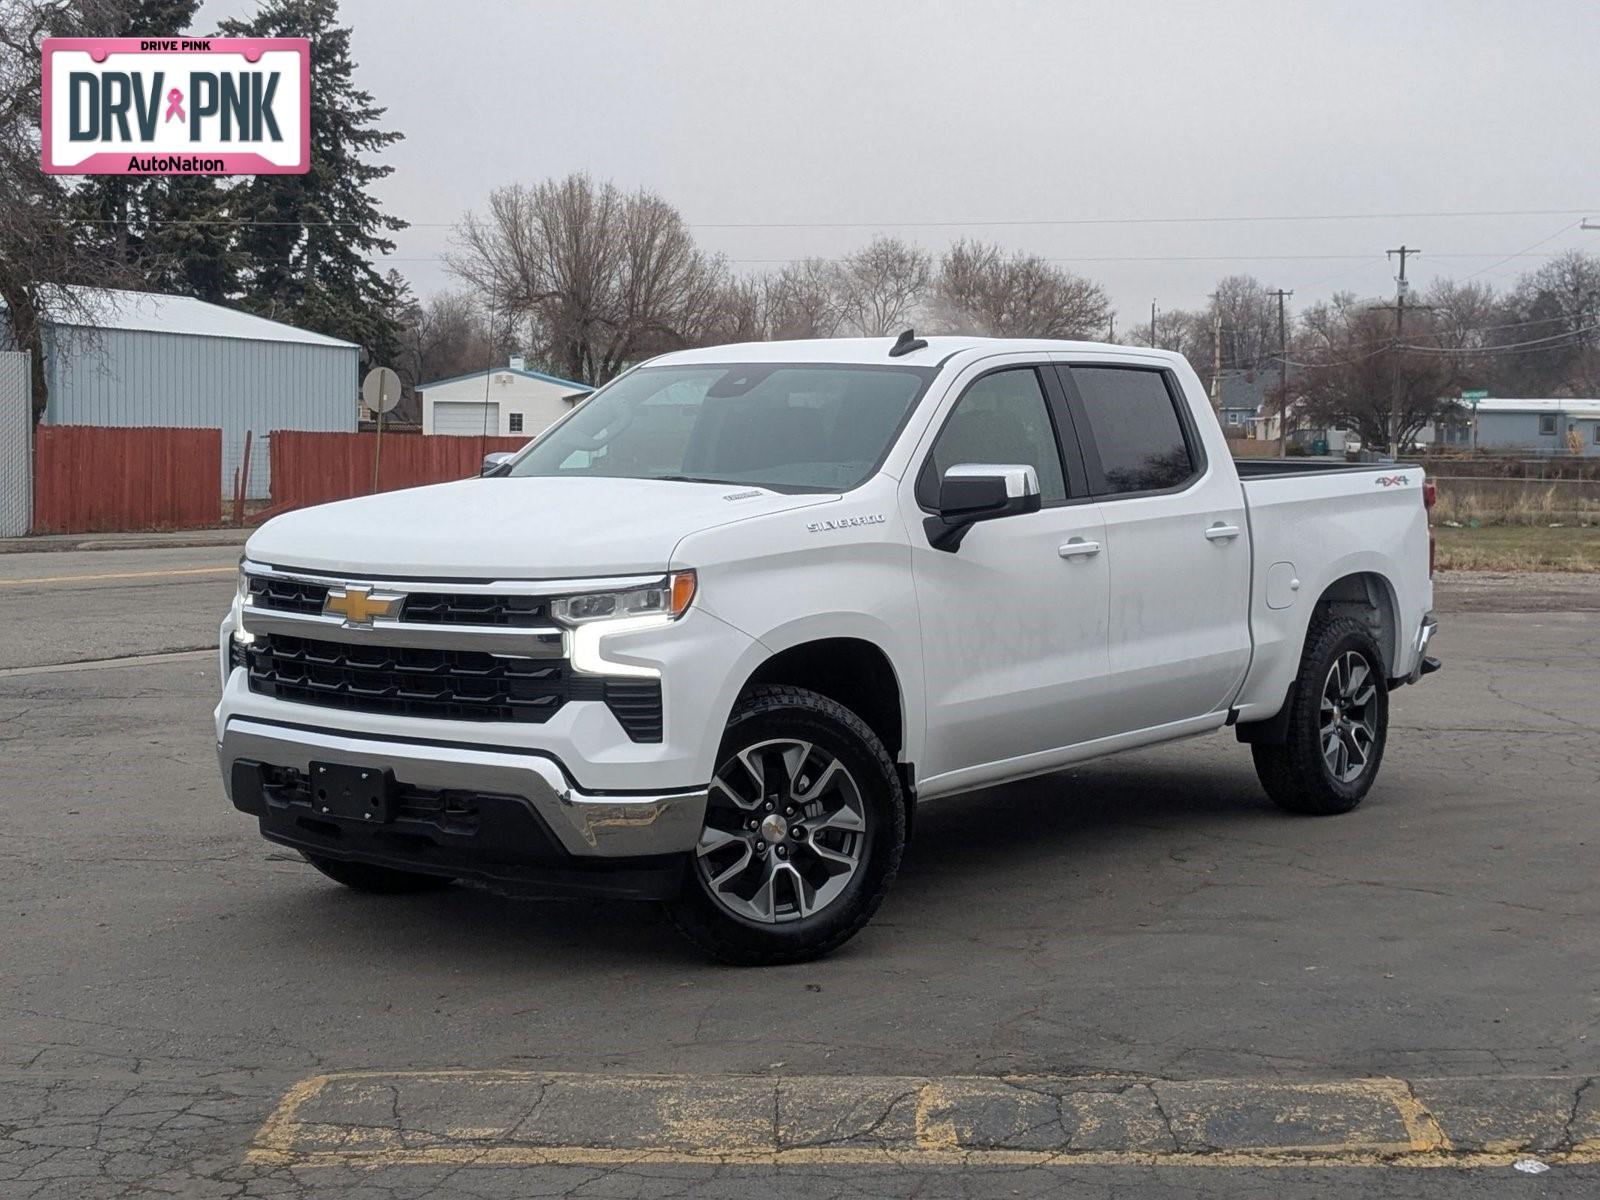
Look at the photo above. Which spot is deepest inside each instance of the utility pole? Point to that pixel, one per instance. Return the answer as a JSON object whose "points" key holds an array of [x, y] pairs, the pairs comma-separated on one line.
{"points": [[1402, 289], [1152, 324], [1216, 366], [1111, 329], [1283, 375]]}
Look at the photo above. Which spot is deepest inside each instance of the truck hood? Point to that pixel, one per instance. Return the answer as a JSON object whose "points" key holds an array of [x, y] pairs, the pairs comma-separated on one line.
{"points": [[512, 528]]}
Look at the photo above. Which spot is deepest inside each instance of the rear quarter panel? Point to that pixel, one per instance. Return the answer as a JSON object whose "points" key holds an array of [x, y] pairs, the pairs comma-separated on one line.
{"points": [[1326, 526]]}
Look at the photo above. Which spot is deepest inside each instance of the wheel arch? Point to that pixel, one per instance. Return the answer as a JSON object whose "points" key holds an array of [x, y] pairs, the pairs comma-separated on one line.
{"points": [[860, 674], [1367, 596]]}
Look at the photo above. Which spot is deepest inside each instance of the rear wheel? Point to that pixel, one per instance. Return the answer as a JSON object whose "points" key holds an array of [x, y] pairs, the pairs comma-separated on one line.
{"points": [[803, 833], [1337, 727], [364, 877]]}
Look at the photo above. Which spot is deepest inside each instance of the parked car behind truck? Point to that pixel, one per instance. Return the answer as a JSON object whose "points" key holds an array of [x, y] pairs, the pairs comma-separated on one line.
{"points": [[716, 636]]}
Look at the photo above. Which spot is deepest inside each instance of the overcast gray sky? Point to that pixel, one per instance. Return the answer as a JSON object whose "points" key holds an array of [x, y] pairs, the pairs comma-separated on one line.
{"points": [[790, 118]]}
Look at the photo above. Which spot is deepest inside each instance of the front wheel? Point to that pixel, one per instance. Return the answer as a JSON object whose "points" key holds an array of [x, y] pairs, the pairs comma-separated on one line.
{"points": [[804, 829], [1338, 724]]}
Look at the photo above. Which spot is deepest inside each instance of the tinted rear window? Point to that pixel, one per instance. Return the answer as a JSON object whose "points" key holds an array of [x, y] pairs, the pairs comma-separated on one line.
{"points": [[1135, 430]]}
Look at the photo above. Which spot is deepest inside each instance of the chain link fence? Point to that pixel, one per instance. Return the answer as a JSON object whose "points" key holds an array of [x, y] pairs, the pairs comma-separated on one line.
{"points": [[16, 444]]}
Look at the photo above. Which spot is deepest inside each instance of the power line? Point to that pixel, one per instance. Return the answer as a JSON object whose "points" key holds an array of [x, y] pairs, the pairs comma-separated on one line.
{"points": [[1508, 347], [1251, 218], [1202, 220], [1520, 253]]}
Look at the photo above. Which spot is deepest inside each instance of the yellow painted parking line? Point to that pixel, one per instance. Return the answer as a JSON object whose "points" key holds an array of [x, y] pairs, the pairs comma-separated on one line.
{"points": [[120, 575], [370, 1120]]}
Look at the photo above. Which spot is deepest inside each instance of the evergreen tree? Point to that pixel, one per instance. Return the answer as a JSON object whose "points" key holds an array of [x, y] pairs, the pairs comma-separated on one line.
{"points": [[309, 239], [174, 230]]}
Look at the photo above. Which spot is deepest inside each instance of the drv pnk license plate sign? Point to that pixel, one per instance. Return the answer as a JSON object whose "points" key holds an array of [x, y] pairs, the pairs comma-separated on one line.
{"points": [[176, 106]]}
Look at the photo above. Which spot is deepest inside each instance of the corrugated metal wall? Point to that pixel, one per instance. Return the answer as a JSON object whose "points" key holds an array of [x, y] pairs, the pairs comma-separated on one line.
{"points": [[16, 453], [121, 377]]}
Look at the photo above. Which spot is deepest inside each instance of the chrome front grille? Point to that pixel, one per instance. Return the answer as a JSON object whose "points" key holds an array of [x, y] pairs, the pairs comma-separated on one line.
{"points": [[464, 652], [295, 595], [447, 608]]}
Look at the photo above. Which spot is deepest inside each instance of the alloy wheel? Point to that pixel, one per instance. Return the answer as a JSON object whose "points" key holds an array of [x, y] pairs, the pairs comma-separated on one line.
{"points": [[1349, 716], [785, 832]]}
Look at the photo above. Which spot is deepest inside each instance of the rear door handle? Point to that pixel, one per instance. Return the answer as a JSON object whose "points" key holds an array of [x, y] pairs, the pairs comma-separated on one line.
{"points": [[1078, 548], [1221, 533]]}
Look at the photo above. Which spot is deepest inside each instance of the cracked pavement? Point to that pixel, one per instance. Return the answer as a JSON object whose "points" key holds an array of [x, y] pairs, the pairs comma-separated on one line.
{"points": [[1148, 921]]}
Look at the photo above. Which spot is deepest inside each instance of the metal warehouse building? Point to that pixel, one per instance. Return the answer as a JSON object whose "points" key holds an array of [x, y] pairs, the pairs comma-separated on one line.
{"points": [[136, 358]]}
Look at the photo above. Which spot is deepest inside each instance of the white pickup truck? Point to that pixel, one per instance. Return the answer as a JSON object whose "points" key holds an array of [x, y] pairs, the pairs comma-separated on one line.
{"points": [[716, 635]]}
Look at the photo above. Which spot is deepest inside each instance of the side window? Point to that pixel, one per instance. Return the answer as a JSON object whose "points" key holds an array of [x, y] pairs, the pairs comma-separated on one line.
{"points": [[1002, 419], [1547, 424], [516, 422], [1134, 428]]}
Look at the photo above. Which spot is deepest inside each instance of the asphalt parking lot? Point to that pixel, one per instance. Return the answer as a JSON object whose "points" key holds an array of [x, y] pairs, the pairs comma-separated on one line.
{"points": [[1132, 978]]}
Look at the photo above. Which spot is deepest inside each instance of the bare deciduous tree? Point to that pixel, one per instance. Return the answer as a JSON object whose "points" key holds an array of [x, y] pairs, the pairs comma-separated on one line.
{"points": [[449, 335], [1357, 377], [980, 289], [604, 277], [807, 300], [1180, 329], [882, 285], [1249, 322]]}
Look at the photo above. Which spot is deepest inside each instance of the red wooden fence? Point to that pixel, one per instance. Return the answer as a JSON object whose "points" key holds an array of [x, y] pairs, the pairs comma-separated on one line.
{"points": [[312, 468], [88, 479]]}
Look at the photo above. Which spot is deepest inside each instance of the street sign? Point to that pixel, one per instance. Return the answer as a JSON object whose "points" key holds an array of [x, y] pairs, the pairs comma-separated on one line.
{"points": [[380, 390], [1473, 397]]}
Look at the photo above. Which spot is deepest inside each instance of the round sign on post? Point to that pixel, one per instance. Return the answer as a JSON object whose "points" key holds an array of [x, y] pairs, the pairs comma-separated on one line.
{"points": [[380, 392]]}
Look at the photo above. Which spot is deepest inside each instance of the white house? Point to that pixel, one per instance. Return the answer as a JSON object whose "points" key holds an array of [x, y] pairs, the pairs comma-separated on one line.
{"points": [[505, 401]]}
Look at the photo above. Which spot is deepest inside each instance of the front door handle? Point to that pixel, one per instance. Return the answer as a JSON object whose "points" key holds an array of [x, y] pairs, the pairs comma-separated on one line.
{"points": [[1222, 533], [1078, 548]]}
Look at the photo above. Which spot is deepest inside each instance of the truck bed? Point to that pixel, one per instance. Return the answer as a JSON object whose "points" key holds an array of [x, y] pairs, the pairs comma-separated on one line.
{"points": [[1311, 524]]}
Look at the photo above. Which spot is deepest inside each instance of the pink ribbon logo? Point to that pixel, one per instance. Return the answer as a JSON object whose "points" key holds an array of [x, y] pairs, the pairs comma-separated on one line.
{"points": [[175, 105]]}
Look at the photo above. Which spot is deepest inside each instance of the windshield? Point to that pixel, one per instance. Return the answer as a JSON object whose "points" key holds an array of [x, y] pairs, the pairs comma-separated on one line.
{"points": [[811, 427]]}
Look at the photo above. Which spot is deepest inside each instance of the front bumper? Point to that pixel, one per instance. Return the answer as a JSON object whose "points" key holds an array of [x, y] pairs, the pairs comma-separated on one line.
{"points": [[510, 819]]}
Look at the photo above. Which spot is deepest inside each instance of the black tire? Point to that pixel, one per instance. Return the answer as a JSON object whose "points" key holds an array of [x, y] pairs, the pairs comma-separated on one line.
{"points": [[380, 881], [1297, 775], [770, 715]]}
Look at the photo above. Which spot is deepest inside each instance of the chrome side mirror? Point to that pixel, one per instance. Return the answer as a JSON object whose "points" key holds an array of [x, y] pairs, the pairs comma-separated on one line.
{"points": [[973, 492], [492, 463]]}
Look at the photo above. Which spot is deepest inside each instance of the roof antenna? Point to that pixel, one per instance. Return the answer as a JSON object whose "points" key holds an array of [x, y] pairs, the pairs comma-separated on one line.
{"points": [[907, 342]]}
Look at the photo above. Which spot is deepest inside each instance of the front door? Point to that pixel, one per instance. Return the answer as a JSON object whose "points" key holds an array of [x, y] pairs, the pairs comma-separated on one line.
{"points": [[1014, 621]]}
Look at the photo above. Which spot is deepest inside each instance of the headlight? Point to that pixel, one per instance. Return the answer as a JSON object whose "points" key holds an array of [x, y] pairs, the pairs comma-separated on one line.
{"points": [[241, 635], [595, 616], [669, 598]]}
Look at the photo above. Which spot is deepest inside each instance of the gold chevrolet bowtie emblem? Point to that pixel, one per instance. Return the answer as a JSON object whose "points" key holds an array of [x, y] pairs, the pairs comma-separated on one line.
{"points": [[359, 605]]}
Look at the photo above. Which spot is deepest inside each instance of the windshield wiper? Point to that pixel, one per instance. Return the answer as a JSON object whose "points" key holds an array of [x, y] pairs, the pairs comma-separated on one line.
{"points": [[700, 479]]}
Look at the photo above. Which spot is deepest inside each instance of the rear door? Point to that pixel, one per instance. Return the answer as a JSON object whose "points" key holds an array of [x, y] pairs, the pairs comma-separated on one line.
{"points": [[1176, 543], [1014, 621]]}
